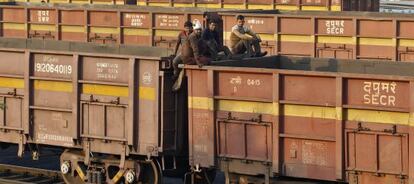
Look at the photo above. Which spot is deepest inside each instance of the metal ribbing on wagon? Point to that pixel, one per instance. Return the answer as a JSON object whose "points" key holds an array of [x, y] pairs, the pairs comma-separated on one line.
{"points": [[91, 98], [328, 119], [351, 35]]}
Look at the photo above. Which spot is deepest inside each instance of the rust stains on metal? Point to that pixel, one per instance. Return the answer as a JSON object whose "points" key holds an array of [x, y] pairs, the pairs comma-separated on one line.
{"points": [[309, 118]]}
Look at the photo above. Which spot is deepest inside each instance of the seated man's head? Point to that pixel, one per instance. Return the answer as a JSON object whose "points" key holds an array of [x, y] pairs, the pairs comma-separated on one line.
{"points": [[197, 28], [188, 27], [240, 20], [212, 25]]}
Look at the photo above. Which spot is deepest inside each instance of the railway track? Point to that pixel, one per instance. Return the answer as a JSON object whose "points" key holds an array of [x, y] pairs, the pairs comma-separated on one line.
{"points": [[12, 174]]}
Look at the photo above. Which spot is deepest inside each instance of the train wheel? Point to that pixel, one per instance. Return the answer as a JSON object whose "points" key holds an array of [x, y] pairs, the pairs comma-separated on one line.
{"points": [[72, 171], [150, 172]]}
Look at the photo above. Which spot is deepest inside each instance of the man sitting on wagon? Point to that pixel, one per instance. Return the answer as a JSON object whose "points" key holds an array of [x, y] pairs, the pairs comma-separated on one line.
{"points": [[182, 38], [242, 39], [194, 50], [211, 37]]}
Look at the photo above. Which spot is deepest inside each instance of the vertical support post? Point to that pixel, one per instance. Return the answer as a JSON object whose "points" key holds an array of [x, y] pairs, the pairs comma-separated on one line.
{"points": [[329, 5], [355, 39], [152, 28], [26, 23], [211, 115], [276, 123], [120, 29], [75, 96], [27, 95], [190, 117], [3, 102], [132, 93], [395, 40], [313, 36], [57, 25], [277, 36], [86, 23], [411, 136], [339, 130]]}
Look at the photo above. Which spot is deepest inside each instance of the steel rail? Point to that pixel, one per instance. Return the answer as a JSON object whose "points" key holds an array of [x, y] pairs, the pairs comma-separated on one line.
{"points": [[12, 174]]}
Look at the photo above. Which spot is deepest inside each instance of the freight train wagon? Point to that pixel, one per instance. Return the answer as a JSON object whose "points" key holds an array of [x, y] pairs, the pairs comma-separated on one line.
{"points": [[111, 108], [397, 7], [326, 119], [309, 5], [342, 35]]}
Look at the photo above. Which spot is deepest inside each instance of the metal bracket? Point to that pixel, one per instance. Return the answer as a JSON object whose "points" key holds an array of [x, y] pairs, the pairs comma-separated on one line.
{"points": [[226, 172], [393, 129], [87, 150], [361, 128], [258, 119], [40, 35], [123, 155], [13, 93], [91, 99], [103, 38], [354, 175], [117, 101], [20, 150], [229, 117], [245, 161]]}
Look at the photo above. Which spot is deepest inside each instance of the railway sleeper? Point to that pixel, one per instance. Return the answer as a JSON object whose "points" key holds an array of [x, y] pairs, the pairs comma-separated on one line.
{"points": [[105, 169]]}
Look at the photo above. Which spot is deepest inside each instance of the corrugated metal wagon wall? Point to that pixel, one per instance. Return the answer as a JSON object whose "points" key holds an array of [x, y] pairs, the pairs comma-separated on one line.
{"points": [[115, 104], [333, 36], [307, 5], [333, 125], [351, 35], [145, 26]]}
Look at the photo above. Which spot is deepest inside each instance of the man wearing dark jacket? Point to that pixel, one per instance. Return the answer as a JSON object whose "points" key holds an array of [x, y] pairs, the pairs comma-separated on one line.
{"points": [[212, 40]]}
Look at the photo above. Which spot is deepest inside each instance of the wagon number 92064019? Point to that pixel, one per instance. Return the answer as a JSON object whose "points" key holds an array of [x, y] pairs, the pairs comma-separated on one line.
{"points": [[53, 68]]}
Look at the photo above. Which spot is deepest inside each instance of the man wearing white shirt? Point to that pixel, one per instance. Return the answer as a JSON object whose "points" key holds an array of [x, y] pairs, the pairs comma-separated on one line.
{"points": [[243, 39]]}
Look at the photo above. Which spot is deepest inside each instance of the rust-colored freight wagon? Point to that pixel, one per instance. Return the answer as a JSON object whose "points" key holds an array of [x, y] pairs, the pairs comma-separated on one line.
{"points": [[129, 25], [342, 35], [94, 102], [326, 119], [308, 5]]}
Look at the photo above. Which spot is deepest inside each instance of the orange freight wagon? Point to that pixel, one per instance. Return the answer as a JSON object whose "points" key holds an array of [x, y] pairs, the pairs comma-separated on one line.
{"points": [[342, 35], [111, 108], [325, 119]]}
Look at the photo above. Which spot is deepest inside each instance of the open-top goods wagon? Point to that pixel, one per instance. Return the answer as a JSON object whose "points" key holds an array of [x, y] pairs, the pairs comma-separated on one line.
{"points": [[112, 108], [326, 119], [343, 35], [308, 5]]}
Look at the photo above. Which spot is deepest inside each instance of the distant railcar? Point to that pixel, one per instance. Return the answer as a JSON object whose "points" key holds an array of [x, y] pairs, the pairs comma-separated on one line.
{"points": [[342, 35]]}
